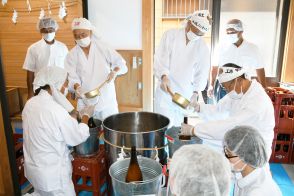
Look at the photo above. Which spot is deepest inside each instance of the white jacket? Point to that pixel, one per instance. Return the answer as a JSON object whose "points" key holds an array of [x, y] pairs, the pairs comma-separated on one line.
{"points": [[93, 71], [41, 54], [187, 67], [48, 129], [257, 183], [253, 109]]}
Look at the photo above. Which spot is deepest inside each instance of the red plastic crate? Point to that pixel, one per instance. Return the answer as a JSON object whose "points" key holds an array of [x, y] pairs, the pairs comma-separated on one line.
{"points": [[280, 96], [282, 136], [292, 153], [282, 150], [91, 173], [285, 118]]}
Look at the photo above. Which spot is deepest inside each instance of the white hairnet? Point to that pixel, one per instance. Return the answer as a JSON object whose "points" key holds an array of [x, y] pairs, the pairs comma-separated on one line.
{"points": [[235, 24], [47, 23], [198, 170], [230, 73], [82, 23], [248, 144], [52, 76], [200, 20]]}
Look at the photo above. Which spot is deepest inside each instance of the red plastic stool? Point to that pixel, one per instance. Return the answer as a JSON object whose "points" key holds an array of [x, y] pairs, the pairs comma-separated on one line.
{"points": [[90, 173]]}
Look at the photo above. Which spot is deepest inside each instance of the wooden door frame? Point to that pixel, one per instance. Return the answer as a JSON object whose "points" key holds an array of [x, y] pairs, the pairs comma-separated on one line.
{"points": [[147, 56]]}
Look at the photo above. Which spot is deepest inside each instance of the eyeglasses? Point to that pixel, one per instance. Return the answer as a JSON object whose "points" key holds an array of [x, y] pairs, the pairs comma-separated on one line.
{"points": [[228, 156]]}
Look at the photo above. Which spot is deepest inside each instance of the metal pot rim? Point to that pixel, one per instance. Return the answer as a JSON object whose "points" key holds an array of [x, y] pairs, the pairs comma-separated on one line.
{"points": [[137, 133]]}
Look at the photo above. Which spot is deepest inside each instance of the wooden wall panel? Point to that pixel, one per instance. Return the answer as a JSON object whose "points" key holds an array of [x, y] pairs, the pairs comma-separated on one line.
{"points": [[288, 62], [16, 38]]}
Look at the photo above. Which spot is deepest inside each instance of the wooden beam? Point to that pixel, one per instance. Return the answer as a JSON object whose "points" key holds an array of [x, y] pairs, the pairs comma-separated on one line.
{"points": [[147, 43], [288, 61]]}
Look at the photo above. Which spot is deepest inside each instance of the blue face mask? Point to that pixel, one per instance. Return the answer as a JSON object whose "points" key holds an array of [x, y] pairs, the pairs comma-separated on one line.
{"points": [[234, 95]]}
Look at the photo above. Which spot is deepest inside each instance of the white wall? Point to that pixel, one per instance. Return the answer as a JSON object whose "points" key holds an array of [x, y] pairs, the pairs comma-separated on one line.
{"points": [[118, 21]]}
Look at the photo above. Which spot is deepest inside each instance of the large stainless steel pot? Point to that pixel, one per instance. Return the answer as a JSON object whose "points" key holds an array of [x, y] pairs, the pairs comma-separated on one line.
{"points": [[91, 145], [141, 129]]}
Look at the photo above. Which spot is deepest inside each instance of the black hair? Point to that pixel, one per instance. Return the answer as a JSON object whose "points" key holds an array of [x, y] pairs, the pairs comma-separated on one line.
{"points": [[234, 66], [37, 91]]}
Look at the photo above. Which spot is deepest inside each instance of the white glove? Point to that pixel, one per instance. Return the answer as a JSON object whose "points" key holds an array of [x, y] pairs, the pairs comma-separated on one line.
{"points": [[194, 99], [194, 102], [187, 129], [210, 91], [87, 111], [78, 92], [61, 100], [111, 76], [165, 83]]}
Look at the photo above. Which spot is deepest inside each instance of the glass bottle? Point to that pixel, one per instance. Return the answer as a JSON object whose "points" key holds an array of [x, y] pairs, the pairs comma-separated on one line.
{"points": [[134, 173]]}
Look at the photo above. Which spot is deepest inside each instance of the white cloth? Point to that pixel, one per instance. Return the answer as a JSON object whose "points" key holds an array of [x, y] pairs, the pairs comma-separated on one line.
{"points": [[257, 183], [246, 55], [41, 54], [93, 71], [54, 76], [253, 109], [48, 129], [67, 190], [187, 67]]}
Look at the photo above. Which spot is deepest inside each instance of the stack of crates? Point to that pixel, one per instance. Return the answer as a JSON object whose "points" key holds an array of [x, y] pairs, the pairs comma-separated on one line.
{"points": [[283, 143]]}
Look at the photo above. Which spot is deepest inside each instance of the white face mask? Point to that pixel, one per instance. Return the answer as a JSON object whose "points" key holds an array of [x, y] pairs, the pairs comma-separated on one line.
{"points": [[192, 36], [49, 37], [233, 169], [234, 95], [232, 38], [84, 42]]}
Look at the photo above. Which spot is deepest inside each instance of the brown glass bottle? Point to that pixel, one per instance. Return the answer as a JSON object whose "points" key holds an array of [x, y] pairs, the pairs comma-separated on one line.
{"points": [[134, 173], [185, 137]]}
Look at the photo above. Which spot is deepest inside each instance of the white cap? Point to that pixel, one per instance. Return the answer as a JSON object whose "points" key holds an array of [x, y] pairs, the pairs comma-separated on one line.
{"points": [[52, 76], [237, 26], [199, 19], [230, 73], [81, 23]]}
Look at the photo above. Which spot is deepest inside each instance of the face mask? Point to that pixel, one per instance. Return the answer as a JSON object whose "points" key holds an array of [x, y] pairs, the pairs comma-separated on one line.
{"points": [[65, 92], [192, 36], [234, 95], [237, 170], [49, 37], [84, 42], [232, 38]]}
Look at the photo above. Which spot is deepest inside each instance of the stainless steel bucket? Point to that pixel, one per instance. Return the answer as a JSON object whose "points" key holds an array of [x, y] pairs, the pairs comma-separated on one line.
{"points": [[174, 143], [91, 145], [152, 175], [141, 129]]}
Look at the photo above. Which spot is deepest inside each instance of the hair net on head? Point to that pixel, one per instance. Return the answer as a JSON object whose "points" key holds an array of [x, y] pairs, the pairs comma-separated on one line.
{"points": [[200, 20], [235, 24], [52, 76], [248, 144], [198, 170], [229, 73], [47, 23]]}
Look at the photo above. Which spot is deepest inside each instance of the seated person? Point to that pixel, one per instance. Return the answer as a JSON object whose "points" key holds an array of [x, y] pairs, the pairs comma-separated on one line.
{"points": [[246, 150], [198, 170]]}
